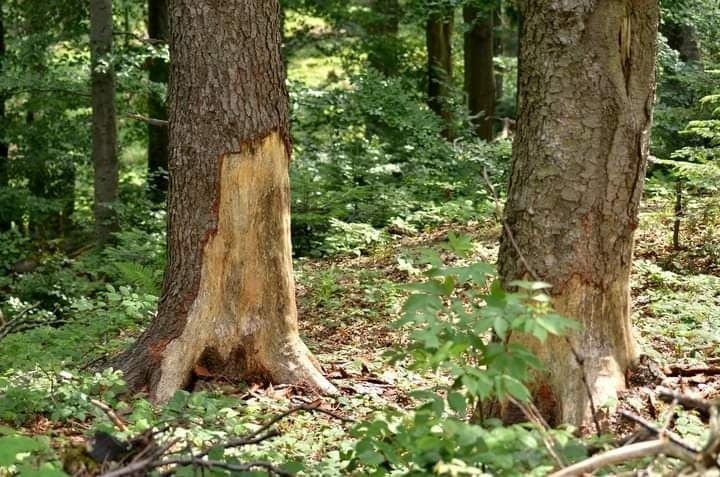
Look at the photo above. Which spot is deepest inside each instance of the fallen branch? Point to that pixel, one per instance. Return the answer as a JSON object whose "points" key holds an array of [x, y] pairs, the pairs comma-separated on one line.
{"points": [[688, 402], [671, 436], [623, 454], [19, 323], [210, 464], [199, 459], [685, 372]]}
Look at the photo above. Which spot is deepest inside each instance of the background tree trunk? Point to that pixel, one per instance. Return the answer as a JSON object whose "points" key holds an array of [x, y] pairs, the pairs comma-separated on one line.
{"points": [[479, 70], [227, 306], [438, 35], [104, 133], [5, 222], [499, 40], [158, 29], [586, 91], [683, 39], [382, 28]]}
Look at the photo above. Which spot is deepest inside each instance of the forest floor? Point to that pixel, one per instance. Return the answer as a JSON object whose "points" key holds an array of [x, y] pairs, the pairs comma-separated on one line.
{"points": [[347, 306]]}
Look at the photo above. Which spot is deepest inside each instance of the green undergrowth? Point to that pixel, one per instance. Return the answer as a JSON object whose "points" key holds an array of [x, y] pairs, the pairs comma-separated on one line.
{"points": [[678, 315]]}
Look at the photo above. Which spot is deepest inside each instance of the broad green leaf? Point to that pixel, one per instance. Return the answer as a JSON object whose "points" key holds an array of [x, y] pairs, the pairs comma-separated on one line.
{"points": [[457, 402]]}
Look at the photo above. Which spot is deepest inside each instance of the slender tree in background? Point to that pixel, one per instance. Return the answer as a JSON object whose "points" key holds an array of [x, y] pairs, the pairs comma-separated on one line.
{"points": [[479, 70], [383, 45], [683, 39], [586, 89], [5, 222], [438, 35], [104, 132], [228, 299], [157, 135]]}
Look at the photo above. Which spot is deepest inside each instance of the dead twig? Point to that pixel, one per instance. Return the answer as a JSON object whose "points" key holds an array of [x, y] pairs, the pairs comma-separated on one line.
{"points": [[533, 415], [671, 436], [199, 459], [581, 364], [509, 234], [688, 402], [114, 418], [19, 323], [151, 121]]}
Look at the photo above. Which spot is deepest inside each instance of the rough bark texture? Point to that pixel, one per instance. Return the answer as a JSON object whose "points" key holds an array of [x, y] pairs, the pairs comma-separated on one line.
{"points": [[586, 91], [438, 35], [5, 222], [158, 29], [104, 134], [382, 41], [479, 70], [228, 301]]}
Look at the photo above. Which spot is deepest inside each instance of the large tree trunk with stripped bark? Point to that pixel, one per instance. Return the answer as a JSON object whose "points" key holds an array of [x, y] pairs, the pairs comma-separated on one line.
{"points": [[104, 132], [586, 90], [479, 70], [158, 30], [228, 299]]}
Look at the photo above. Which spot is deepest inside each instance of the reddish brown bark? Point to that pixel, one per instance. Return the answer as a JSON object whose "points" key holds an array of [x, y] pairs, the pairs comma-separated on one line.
{"points": [[228, 305]]}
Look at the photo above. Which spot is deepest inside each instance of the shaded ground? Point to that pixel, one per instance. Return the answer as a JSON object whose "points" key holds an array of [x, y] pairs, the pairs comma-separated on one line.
{"points": [[346, 307]]}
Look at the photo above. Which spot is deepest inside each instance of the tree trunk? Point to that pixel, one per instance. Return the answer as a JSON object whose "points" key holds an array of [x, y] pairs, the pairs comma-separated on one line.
{"points": [[157, 135], [479, 70], [227, 306], [104, 134], [586, 91], [5, 222], [683, 39], [499, 35], [382, 28], [438, 35]]}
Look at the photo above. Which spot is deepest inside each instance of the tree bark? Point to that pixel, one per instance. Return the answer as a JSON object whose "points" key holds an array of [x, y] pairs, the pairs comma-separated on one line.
{"points": [[5, 222], [586, 91], [499, 40], [227, 306], [479, 70], [104, 133], [383, 26], [438, 35], [158, 29]]}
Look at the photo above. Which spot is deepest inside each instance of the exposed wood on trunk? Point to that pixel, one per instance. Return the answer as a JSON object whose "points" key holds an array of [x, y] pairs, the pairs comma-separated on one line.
{"points": [[158, 30], [479, 70], [227, 306], [438, 36], [104, 133], [585, 98]]}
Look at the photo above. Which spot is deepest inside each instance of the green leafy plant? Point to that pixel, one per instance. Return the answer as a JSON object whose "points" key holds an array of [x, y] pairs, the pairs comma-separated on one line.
{"points": [[461, 322]]}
